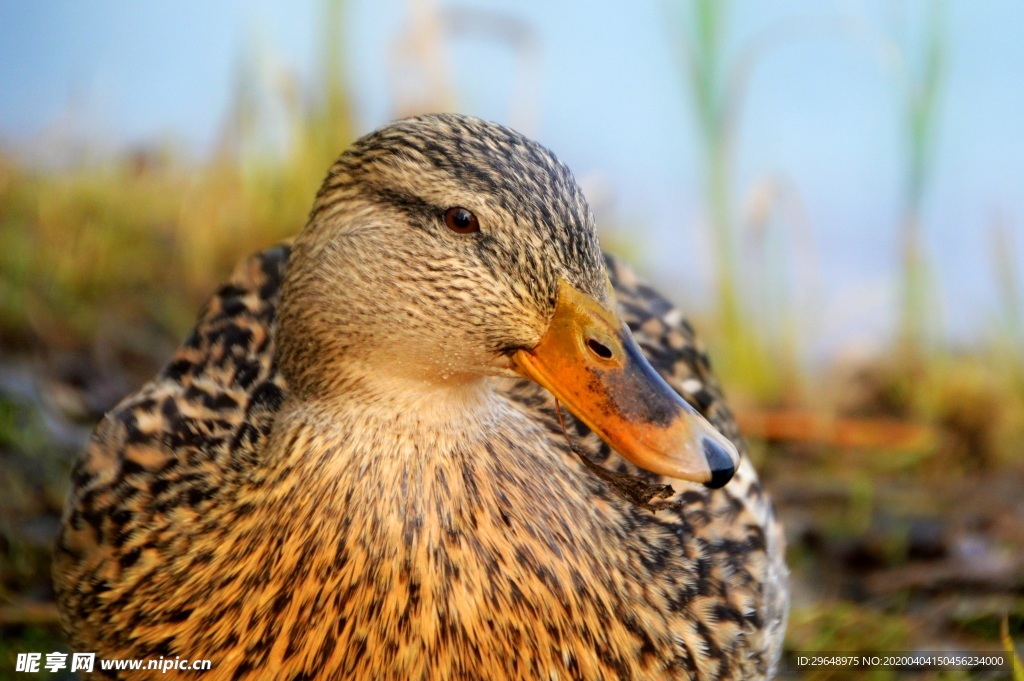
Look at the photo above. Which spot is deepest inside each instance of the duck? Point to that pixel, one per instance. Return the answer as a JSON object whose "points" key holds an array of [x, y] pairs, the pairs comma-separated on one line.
{"points": [[439, 434]]}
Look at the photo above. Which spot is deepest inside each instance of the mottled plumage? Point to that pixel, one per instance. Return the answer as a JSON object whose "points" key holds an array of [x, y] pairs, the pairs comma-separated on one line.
{"points": [[311, 489]]}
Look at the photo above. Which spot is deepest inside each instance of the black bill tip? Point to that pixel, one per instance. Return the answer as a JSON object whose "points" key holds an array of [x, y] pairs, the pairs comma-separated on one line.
{"points": [[720, 463]]}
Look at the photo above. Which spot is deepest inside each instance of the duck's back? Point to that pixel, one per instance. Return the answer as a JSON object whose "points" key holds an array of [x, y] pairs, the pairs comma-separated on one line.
{"points": [[161, 457], [172, 451]]}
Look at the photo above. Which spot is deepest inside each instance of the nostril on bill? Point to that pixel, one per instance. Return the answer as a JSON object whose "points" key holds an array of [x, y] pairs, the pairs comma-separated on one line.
{"points": [[720, 463], [599, 349]]}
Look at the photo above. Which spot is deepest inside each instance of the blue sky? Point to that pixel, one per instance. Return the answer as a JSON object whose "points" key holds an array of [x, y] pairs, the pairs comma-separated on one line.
{"points": [[821, 119]]}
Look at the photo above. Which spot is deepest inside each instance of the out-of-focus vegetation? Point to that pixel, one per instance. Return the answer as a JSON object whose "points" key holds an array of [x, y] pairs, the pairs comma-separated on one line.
{"points": [[137, 241], [898, 476]]}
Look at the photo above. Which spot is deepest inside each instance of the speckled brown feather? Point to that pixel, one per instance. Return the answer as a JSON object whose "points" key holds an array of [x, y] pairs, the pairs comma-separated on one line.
{"points": [[212, 518]]}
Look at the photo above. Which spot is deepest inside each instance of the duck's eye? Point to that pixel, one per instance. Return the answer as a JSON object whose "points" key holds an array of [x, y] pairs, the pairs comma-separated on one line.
{"points": [[461, 220]]}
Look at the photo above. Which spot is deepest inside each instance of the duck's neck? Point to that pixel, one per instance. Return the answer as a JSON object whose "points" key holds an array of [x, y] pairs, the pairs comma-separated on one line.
{"points": [[412, 471], [384, 423]]}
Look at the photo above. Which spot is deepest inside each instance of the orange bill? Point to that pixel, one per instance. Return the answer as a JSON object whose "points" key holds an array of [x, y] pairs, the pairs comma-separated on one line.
{"points": [[590, 362]]}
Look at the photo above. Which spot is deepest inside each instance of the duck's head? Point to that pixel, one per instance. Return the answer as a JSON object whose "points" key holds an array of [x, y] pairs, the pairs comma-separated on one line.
{"points": [[442, 250]]}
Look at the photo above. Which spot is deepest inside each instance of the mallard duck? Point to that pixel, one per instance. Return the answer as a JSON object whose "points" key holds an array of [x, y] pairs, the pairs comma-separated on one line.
{"points": [[375, 454]]}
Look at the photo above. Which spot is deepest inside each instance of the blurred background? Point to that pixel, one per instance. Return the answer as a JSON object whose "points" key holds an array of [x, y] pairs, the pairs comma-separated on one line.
{"points": [[832, 191]]}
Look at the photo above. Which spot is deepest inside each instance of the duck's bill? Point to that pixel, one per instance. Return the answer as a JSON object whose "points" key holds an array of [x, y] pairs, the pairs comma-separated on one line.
{"points": [[590, 362]]}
